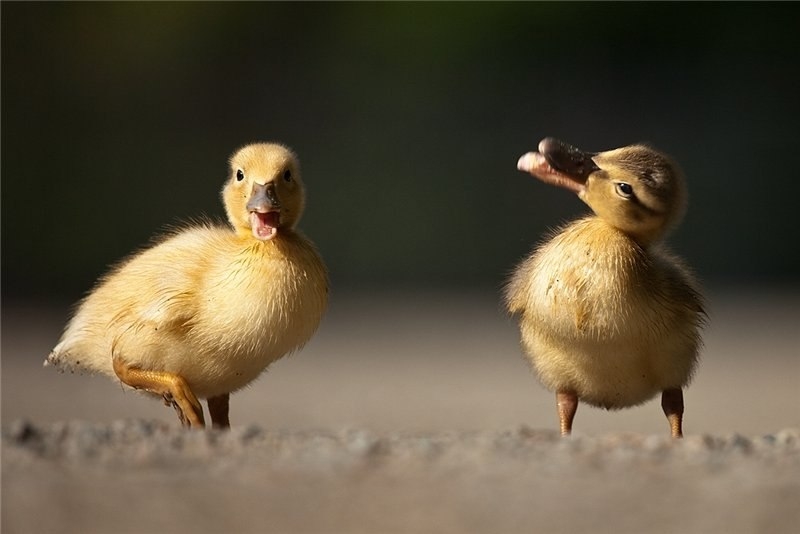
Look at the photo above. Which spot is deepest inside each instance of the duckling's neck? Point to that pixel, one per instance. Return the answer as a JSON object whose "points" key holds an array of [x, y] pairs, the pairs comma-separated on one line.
{"points": [[604, 237], [644, 237], [285, 240]]}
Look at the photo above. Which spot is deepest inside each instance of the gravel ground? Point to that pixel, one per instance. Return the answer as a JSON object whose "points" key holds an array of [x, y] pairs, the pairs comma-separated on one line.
{"points": [[148, 476]]}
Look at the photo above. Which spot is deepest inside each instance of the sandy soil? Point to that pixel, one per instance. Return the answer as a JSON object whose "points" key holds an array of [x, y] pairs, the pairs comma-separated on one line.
{"points": [[409, 413], [136, 476]]}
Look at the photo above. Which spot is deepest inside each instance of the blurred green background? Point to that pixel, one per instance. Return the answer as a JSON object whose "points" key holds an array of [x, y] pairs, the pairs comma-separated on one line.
{"points": [[118, 119]]}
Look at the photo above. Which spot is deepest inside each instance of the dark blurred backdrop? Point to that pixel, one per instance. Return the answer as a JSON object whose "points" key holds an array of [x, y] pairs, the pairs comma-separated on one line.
{"points": [[118, 119]]}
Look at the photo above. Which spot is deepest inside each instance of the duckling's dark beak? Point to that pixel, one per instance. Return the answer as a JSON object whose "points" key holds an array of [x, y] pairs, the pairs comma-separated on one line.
{"points": [[568, 159], [264, 208], [263, 198], [560, 164]]}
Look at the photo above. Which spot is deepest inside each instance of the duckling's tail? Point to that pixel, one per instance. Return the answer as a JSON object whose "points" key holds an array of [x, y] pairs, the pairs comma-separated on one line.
{"points": [[77, 356], [65, 361], [56, 360]]}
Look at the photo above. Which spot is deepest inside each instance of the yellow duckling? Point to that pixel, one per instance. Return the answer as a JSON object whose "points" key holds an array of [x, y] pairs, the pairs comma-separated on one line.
{"points": [[205, 311], [608, 316]]}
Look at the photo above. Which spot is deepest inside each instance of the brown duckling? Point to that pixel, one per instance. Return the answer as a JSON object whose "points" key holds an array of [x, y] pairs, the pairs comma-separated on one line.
{"points": [[202, 313], [607, 315]]}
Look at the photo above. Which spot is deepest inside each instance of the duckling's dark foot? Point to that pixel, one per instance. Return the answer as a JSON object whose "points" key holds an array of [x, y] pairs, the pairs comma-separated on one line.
{"points": [[567, 403], [218, 408], [173, 388], [672, 404]]}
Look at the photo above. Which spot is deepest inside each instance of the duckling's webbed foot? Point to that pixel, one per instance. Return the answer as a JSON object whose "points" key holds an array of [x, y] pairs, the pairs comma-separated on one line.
{"points": [[672, 404], [218, 408], [567, 403], [191, 417], [171, 387]]}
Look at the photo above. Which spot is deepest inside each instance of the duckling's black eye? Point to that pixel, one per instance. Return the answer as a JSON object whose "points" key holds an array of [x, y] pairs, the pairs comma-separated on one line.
{"points": [[624, 190], [239, 175], [287, 175]]}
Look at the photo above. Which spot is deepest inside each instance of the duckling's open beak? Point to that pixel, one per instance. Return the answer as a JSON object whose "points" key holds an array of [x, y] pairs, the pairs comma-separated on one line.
{"points": [[265, 214], [560, 164]]}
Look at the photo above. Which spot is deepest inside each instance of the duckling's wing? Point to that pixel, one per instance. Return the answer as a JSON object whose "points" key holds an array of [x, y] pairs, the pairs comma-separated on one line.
{"points": [[143, 308], [160, 290], [680, 284], [166, 311], [123, 315], [515, 292]]}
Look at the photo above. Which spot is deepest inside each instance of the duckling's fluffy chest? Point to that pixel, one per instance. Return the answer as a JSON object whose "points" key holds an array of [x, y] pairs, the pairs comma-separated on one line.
{"points": [[260, 303], [604, 317]]}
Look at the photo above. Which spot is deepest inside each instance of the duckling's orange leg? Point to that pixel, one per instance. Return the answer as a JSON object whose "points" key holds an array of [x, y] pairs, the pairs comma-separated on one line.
{"points": [[672, 404], [567, 402], [173, 388], [218, 408]]}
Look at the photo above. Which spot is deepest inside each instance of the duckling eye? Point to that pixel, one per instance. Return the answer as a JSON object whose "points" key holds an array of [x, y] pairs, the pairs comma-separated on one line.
{"points": [[624, 190], [239, 175], [287, 175]]}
